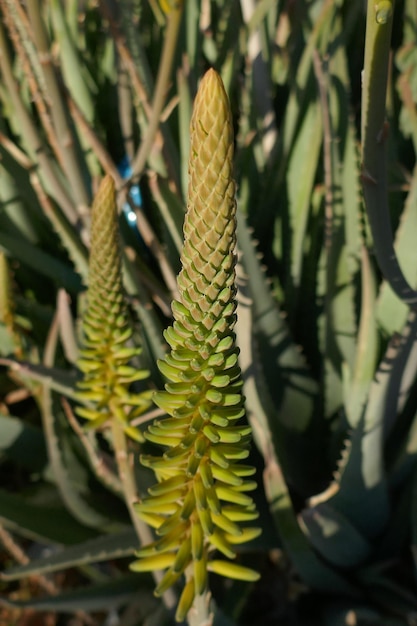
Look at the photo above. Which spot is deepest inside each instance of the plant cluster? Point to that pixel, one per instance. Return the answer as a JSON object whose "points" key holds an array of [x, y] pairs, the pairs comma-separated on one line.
{"points": [[293, 311]]}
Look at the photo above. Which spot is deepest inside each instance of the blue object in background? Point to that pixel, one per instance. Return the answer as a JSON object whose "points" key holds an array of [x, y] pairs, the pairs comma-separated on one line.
{"points": [[135, 196], [125, 170]]}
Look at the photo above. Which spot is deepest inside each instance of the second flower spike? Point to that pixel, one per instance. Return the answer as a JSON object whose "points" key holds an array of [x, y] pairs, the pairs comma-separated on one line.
{"points": [[105, 355], [200, 503]]}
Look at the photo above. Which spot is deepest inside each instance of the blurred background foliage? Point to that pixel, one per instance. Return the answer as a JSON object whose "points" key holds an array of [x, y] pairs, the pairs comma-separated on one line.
{"points": [[328, 351]]}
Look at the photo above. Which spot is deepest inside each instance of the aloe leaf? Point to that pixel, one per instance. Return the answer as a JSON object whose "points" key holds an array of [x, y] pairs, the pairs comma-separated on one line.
{"points": [[302, 93], [138, 67], [405, 453], [77, 78], [334, 537], [391, 311], [351, 189], [142, 305], [261, 12], [96, 597], [192, 14], [67, 234], [108, 547], [402, 374], [337, 323], [60, 380], [374, 133], [410, 13], [135, 46], [311, 569], [12, 202], [72, 484], [367, 346], [304, 157], [260, 82], [406, 61], [185, 105], [396, 536], [279, 378], [304, 74], [169, 46], [288, 379], [65, 141], [45, 522], [22, 443], [398, 409], [30, 137], [362, 488], [69, 472], [346, 169], [67, 327], [42, 262], [72, 66], [362, 496], [172, 212]]}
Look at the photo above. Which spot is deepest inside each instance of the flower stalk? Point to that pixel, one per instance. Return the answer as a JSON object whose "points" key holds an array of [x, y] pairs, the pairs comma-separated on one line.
{"points": [[200, 500], [106, 354]]}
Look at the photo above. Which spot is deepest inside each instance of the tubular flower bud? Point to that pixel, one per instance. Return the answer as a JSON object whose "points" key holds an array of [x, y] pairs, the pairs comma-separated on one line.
{"points": [[105, 355], [204, 439]]}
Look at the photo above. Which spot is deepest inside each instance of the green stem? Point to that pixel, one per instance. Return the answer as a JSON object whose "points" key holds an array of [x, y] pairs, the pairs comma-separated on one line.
{"points": [[97, 463], [30, 135], [261, 83], [74, 502], [164, 72], [135, 63], [200, 614], [130, 493], [374, 134], [59, 110], [70, 59], [63, 228]]}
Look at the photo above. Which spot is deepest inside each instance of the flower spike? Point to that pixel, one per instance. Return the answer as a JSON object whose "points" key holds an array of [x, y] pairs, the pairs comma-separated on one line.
{"points": [[201, 495], [105, 355]]}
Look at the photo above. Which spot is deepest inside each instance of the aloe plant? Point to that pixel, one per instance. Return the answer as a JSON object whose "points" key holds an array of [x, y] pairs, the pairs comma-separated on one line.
{"points": [[324, 305]]}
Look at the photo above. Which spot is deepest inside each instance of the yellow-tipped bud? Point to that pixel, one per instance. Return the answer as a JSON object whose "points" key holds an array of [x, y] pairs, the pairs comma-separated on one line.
{"points": [[186, 601], [232, 570], [200, 574], [153, 563], [197, 540], [246, 535]]}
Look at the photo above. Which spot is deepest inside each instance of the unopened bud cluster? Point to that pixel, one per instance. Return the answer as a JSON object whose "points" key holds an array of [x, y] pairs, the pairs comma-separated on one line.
{"points": [[105, 355], [200, 503]]}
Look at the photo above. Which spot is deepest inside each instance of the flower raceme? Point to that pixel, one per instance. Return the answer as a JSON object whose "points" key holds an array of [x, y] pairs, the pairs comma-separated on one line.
{"points": [[201, 499], [105, 355]]}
